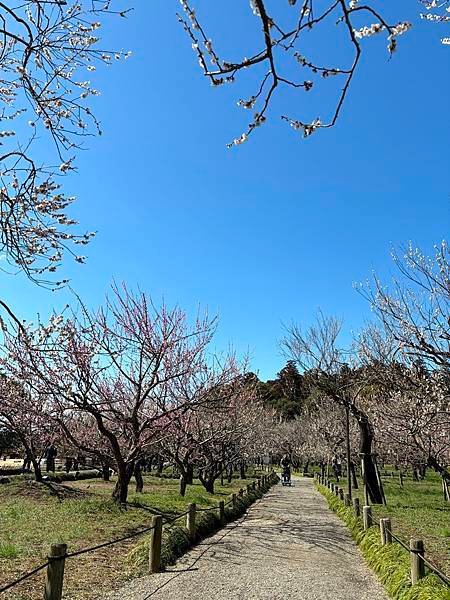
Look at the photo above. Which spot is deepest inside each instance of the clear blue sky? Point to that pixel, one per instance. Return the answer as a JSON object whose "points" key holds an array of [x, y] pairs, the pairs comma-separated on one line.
{"points": [[274, 229]]}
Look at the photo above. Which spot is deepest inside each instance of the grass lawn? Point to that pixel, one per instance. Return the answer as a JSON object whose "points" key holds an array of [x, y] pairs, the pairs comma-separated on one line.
{"points": [[31, 519], [416, 510]]}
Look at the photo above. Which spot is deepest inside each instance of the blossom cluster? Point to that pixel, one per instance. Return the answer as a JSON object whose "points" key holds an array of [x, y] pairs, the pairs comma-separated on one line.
{"points": [[45, 50]]}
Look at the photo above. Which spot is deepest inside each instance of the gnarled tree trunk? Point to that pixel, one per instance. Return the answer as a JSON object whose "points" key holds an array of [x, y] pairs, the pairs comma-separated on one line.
{"points": [[367, 463], [138, 477], [124, 473]]}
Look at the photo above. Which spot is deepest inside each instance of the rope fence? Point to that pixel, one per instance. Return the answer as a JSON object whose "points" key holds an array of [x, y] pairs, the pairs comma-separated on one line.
{"points": [[58, 552], [23, 577], [415, 548]]}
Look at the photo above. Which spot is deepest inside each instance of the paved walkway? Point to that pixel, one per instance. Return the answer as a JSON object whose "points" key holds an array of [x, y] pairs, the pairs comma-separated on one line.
{"points": [[289, 545]]}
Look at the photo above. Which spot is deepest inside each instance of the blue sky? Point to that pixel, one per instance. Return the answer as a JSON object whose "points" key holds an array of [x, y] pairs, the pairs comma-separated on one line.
{"points": [[278, 227]]}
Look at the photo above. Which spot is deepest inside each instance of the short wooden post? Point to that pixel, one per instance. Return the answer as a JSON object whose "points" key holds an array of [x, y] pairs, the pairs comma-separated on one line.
{"points": [[356, 507], [241, 492], [222, 512], [336, 491], [341, 494], [55, 572], [233, 500], [382, 532], [254, 485], [387, 531], [332, 488], [417, 565], [154, 557], [190, 520], [347, 500], [367, 516]]}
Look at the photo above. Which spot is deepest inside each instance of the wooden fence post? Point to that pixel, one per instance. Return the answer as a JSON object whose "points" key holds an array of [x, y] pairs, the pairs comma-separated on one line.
{"points": [[417, 564], [254, 485], [233, 500], [347, 500], [241, 492], [367, 516], [382, 532], [341, 494], [249, 489], [55, 572], [190, 520], [387, 530], [336, 491], [222, 512], [356, 507], [154, 558]]}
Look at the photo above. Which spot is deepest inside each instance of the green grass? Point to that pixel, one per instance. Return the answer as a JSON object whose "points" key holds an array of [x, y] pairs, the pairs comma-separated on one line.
{"points": [[8, 550], [391, 563], [31, 519], [416, 510]]}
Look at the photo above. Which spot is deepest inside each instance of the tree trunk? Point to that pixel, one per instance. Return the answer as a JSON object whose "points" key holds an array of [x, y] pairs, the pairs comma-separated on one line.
{"points": [[230, 474], [160, 465], [138, 477], [124, 473], [207, 482], [209, 485], [242, 469], [36, 469], [367, 463], [105, 472], [189, 474], [443, 472]]}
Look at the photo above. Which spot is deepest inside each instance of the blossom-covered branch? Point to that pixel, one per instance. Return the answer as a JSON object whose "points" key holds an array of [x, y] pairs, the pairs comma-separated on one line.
{"points": [[281, 48], [48, 54]]}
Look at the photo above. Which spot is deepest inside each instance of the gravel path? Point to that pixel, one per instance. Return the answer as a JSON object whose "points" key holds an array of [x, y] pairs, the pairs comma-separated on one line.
{"points": [[289, 545]]}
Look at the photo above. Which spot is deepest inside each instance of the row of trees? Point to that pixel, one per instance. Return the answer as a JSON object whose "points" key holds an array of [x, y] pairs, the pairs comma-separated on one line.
{"points": [[393, 381], [134, 379], [124, 382]]}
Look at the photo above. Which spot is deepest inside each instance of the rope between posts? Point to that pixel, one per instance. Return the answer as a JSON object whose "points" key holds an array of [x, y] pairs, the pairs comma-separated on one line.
{"points": [[24, 577], [167, 521], [430, 565], [435, 570], [405, 546], [105, 544], [206, 509], [111, 543]]}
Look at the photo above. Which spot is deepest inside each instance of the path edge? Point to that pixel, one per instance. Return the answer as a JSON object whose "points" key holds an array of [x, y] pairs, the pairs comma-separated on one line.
{"points": [[390, 563]]}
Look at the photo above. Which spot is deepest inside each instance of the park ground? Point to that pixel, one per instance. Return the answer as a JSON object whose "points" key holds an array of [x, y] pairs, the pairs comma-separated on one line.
{"points": [[416, 510], [82, 515]]}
